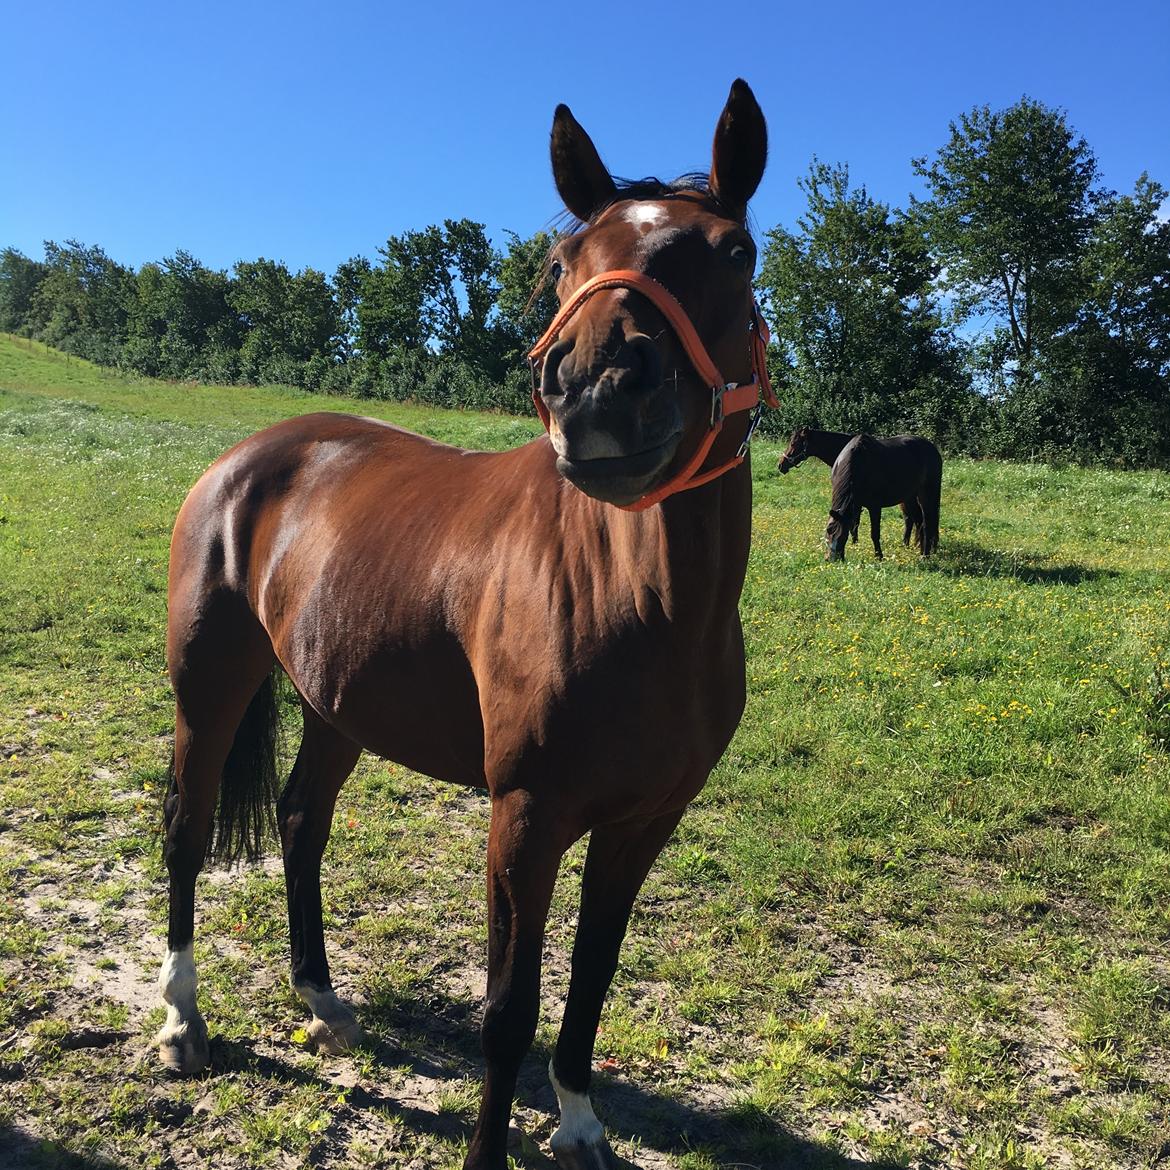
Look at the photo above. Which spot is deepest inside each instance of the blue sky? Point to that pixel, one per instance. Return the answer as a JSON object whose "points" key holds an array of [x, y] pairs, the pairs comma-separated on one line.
{"points": [[309, 133]]}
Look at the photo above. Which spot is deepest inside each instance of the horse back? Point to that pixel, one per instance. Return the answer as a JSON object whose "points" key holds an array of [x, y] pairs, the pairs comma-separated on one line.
{"points": [[880, 472]]}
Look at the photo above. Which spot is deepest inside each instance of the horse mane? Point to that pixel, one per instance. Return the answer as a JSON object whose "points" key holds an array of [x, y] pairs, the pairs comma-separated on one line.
{"points": [[567, 224], [845, 474], [841, 506]]}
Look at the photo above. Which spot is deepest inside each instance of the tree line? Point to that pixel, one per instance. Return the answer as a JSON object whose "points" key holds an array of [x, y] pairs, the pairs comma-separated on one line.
{"points": [[1019, 309]]}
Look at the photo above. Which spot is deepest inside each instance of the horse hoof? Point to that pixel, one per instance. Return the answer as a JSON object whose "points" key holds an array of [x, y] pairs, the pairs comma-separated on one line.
{"points": [[340, 1035], [594, 1155], [183, 1050]]}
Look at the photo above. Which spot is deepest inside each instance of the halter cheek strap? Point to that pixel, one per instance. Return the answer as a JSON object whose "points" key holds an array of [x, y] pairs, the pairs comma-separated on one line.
{"points": [[726, 397]]}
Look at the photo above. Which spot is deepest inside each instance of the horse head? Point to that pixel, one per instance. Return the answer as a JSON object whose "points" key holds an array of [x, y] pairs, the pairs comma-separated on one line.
{"points": [[617, 382], [796, 453]]}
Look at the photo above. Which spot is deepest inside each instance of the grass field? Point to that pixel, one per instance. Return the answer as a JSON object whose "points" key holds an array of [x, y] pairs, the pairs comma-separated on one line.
{"points": [[919, 917]]}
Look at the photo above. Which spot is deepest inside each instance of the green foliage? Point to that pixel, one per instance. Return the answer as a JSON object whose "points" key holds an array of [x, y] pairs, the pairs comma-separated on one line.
{"points": [[1075, 282], [1100, 389], [180, 314], [1010, 211], [19, 280], [434, 290], [81, 303], [527, 299], [284, 316], [1018, 311], [859, 344]]}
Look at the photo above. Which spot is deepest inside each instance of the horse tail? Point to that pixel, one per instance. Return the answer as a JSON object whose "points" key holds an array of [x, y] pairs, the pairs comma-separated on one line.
{"points": [[931, 505], [249, 789]]}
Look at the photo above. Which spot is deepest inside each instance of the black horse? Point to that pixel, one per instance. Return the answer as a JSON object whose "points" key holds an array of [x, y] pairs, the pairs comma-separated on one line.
{"points": [[877, 473]]}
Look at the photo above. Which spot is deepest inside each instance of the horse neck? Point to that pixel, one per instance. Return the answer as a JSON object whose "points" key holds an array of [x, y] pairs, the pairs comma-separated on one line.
{"points": [[827, 445], [691, 550]]}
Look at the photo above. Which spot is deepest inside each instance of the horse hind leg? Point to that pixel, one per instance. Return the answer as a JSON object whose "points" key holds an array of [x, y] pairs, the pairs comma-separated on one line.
{"points": [[875, 531], [224, 731], [930, 501], [304, 815], [912, 522]]}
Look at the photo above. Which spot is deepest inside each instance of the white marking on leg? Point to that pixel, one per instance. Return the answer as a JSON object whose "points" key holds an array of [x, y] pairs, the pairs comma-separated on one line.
{"points": [[334, 1028], [579, 1125], [323, 1004], [182, 1040], [176, 984]]}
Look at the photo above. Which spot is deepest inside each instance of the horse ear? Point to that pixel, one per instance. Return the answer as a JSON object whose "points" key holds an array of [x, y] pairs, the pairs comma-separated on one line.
{"points": [[740, 150], [584, 185]]}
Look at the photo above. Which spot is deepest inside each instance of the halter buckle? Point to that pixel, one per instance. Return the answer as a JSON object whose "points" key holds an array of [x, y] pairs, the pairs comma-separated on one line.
{"points": [[717, 393]]}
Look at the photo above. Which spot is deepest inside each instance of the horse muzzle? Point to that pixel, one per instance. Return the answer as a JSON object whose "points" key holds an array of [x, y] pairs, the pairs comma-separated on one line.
{"points": [[614, 429], [614, 456], [619, 479]]}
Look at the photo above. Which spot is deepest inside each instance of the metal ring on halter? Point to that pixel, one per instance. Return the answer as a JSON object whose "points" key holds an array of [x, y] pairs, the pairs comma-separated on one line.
{"points": [[753, 422]]}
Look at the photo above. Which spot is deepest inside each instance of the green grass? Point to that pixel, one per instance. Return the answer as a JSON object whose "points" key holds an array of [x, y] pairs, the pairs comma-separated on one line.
{"points": [[919, 917]]}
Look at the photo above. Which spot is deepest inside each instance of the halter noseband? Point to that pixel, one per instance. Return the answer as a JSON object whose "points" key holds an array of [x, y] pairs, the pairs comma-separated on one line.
{"points": [[726, 397]]}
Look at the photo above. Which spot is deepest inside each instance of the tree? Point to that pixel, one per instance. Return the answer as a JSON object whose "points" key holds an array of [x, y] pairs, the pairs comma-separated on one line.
{"points": [[82, 302], [19, 279], [286, 318], [1100, 390], [527, 299], [180, 315], [434, 290], [859, 341], [348, 282], [1127, 274], [1009, 214]]}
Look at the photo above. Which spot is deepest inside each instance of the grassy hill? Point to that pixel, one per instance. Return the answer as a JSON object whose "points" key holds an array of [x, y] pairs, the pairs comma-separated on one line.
{"points": [[919, 917]]}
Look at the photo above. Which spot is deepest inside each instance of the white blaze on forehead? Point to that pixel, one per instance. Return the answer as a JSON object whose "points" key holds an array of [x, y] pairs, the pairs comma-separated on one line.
{"points": [[644, 215]]}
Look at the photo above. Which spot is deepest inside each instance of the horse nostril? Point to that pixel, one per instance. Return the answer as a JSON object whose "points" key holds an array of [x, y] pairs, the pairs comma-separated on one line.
{"points": [[550, 379], [645, 363]]}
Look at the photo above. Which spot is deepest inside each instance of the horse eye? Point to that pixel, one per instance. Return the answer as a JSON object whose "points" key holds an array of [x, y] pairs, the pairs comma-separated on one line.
{"points": [[740, 255], [556, 270]]}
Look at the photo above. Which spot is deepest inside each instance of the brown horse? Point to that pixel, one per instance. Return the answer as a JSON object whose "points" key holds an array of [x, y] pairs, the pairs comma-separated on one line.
{"points": [[806, 442], [877, 473], [555, 624]]}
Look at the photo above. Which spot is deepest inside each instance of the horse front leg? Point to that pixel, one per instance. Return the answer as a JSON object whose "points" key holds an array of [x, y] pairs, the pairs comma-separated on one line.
{"points": [[524, 851], [616, 865], [875, 531]]}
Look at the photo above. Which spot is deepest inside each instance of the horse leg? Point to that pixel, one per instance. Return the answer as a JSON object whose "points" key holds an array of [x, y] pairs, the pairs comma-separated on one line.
{"points": [[305, 815], [875, 530], [912, 521], [212, 699], [930, 501], [524, 852], [618, 860]]}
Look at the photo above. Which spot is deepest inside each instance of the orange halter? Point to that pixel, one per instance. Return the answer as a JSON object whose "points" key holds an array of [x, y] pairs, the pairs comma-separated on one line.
{"points": [[726, 397]]}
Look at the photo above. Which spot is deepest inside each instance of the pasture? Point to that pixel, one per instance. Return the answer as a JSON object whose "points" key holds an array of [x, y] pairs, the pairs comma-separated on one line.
{"points": [[919, 917]]}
